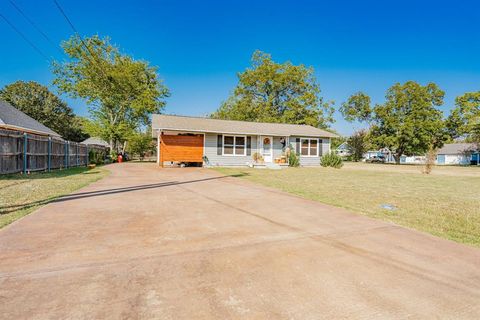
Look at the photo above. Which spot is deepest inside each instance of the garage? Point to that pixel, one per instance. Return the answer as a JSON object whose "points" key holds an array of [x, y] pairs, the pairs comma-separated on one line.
{"points": [[181, 148]]}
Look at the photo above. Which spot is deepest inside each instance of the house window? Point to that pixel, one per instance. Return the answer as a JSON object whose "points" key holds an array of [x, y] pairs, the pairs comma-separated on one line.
{"points": [[234, 145], [309, 147]]}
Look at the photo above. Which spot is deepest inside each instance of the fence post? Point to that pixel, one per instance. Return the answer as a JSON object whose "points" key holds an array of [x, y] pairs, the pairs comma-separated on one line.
{"points": [[49, 159], [25, 141], [66, 154]]}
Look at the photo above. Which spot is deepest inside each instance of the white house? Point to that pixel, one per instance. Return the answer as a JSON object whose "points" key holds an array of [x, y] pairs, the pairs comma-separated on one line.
{"points": [[457, 153]]}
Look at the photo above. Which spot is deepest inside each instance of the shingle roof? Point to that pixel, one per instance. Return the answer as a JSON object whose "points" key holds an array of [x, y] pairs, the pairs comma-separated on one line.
{"points": [[457, 148], [194, 124], [15, 119], [96, 141]]}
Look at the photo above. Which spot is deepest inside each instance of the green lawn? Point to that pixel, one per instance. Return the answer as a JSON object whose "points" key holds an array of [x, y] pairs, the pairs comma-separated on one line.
{"points": [[20, 194], [445, 203]]}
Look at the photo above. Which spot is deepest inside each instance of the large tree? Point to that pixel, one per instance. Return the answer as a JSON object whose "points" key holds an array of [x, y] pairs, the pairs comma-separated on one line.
{"points": [[408, 122], [276, 92], [41, 104], [122, 92], [464, 120], [358, 143]]}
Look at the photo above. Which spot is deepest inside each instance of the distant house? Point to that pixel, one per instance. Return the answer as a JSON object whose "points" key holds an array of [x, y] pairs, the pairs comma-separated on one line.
{"points": [[344, 150], [458, 153], [384, 153], [236, 143], [13, 119], [96, 141]]}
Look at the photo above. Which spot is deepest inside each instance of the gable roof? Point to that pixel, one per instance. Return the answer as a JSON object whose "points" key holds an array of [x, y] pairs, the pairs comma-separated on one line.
{"points": [[457, 148], [12, 118], [96, 141], [196, 124]]}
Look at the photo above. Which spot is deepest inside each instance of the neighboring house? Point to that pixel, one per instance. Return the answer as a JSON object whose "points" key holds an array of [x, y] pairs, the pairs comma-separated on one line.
{"points": [[233, 143], [384, 152], [96, 141], [458, 153], [344, 150], [13, 119]]}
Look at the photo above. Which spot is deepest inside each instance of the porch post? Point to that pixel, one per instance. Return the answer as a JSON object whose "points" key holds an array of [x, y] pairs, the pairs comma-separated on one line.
{"points": [[159, 149]]}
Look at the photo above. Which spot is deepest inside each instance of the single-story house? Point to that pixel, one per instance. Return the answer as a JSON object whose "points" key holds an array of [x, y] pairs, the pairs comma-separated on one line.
{"points": [[216, 142], [458, 153], [14, 119], [344, 150], [96, 141], [382, 153]]}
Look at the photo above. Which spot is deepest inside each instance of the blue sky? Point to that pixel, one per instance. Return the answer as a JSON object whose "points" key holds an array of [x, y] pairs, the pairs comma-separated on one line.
{"points": [[200, 46]]}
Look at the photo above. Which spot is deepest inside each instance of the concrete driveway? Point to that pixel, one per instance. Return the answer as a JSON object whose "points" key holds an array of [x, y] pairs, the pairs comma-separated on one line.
{"points": [[150, 243]]}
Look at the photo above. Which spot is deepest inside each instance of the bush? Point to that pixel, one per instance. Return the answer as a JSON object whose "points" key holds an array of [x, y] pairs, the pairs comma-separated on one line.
{"points": [[293, 159], [331, 160]]}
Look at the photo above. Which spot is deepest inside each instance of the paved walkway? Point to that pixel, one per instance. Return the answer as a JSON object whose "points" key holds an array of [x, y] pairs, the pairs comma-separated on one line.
{"points": [[150, 243]]}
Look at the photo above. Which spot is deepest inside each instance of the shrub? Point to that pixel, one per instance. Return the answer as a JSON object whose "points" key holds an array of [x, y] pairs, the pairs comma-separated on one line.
{"points": [[293, 159], [257, 157], [331, 160]]}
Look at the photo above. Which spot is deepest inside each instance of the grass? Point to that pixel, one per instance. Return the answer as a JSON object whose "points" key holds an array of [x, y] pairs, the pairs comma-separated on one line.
{"points": [[445, 203], [20, 194]]}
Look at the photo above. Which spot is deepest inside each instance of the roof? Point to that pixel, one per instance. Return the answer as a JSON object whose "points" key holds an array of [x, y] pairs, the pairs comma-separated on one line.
{"points": [[457, 148], [96, 141], [196, 124], [12, 118]]}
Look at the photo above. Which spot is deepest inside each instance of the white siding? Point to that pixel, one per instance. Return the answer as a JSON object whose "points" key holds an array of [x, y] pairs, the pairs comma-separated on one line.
{"points": [[457, 159], [312, 161]]}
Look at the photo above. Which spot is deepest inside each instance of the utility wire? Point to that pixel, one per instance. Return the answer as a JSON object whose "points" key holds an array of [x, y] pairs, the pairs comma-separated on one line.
{"points": [[82, 41], [33, 24], [24, 37]]}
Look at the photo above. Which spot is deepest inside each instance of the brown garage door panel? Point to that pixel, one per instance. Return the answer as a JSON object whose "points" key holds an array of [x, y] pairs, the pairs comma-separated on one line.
{"points": [[182, 148]]}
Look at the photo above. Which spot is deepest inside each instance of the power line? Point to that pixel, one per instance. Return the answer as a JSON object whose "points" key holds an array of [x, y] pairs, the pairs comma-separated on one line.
{"points": [[81, 39], [35, 25], [24, 37]]}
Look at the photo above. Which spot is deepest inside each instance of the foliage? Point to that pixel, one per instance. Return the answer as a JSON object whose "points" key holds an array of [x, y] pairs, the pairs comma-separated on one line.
{"points": [[41, 104], [408, 122], [357, 107], [331, 159], [96, 156], [464, 120], [358, 143], [140, 144], [293, 159], [276, 92], [122, 92], [430, 161]]}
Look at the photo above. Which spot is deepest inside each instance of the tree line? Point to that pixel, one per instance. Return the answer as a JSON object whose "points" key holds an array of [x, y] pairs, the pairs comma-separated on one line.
{"points": [[122, 93]]}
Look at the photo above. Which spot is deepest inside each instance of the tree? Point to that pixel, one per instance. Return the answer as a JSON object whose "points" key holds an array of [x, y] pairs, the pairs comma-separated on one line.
{"points": [[140, 143], [408, 122], [121, 92], [41, 104], [276, 92], [358, 142], [464, 120]]}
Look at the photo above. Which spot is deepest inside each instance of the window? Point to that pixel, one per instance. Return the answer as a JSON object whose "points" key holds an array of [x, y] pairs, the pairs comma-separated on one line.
{"points": [[309, 147], [234, 145]]}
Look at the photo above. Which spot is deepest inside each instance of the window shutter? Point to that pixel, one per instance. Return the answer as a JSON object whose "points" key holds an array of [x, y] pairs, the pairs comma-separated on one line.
{"points": [[249, 145], [219, 145], [320, 148], [297, 145]]}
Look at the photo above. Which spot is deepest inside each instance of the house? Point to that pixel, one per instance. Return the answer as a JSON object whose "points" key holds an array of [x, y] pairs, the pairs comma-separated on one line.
{"points": [[458, 153], [96, 141], [344, 150], [13, 119], [383, 153], [234, 143]]}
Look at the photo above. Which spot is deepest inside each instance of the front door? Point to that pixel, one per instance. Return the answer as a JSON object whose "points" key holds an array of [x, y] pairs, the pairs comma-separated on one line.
{"points": [[267, 149]]}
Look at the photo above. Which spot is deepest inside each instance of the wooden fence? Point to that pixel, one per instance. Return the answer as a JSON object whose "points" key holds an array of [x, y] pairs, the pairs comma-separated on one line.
{"points": [[24, 152]]}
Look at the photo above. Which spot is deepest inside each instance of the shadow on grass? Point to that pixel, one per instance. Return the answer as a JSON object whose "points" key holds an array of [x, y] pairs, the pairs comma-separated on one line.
{"points": [[81, 195]]}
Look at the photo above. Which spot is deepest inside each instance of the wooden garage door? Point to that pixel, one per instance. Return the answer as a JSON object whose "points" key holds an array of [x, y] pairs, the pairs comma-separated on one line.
{"points": [[181, 148]]}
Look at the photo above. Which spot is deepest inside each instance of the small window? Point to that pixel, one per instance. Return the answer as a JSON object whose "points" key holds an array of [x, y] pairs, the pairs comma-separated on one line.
{"points": [[309, 147], [234, 145]]}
